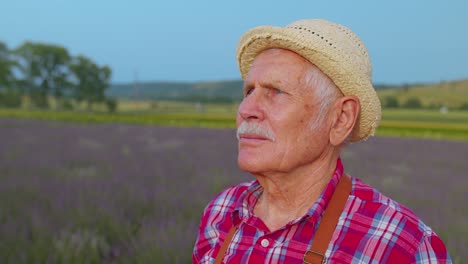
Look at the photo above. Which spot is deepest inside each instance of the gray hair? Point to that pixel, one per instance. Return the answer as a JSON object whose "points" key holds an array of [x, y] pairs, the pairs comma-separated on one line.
{"points": [[325, 91]]}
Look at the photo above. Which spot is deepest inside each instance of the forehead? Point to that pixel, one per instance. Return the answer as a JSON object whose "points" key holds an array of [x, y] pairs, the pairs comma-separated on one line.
{"points": [[278, 65]]}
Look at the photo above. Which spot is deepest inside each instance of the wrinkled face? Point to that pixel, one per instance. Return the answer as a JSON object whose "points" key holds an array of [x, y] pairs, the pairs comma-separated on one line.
{"points": [[274, 119]]}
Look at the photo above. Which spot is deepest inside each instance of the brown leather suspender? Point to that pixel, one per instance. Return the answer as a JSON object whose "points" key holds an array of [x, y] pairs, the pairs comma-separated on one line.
{"points": [[224, 246], [316, 254]]}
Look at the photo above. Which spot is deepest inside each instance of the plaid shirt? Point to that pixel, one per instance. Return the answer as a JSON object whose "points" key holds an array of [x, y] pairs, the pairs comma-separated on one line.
{"points": [[372, 229]]}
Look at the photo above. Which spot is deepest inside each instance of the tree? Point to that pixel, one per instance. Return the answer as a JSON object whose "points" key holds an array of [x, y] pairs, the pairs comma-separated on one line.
{"points": [[6, 64], [464, 106], [111, 104], [91, 81], [45, 70], [391, 102], [413, 103], [9, 97]]}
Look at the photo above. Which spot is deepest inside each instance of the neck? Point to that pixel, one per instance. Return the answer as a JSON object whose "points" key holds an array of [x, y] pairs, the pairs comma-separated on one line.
{"points": [[289, 195]]}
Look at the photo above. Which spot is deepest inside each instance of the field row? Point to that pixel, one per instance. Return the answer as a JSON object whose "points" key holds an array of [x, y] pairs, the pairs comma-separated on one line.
{"points": [[402, 123]]}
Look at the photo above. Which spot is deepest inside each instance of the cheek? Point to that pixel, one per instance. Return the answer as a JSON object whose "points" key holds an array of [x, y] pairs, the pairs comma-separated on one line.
{"points": [[238, 119], [301, 124]]}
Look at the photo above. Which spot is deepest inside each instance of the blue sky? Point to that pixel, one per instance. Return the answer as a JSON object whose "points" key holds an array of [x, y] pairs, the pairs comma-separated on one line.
{"points": [[409, 41]]}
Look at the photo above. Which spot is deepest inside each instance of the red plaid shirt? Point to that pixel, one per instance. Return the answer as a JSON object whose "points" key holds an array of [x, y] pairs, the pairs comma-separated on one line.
{"points": [[372, 229]]}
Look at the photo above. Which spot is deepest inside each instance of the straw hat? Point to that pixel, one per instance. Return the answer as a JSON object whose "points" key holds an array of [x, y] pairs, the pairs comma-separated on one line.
{"points": [[334, 49]]}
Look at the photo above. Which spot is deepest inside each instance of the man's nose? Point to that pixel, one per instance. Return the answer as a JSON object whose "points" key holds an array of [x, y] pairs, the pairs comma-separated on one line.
{"points": [[251, 106]]}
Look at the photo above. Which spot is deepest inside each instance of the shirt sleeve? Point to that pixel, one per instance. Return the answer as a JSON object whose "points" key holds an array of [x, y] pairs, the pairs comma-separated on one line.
{"points": [[202, 242], [431, 250]]}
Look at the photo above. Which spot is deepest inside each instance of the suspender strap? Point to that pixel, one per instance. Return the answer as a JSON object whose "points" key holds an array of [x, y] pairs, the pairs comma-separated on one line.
{"points": [[327, 226], [324, 233], [224, 246]]}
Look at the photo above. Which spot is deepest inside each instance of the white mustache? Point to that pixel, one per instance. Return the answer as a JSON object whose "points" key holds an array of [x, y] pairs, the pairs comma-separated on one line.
{"points": [[256, 129]]}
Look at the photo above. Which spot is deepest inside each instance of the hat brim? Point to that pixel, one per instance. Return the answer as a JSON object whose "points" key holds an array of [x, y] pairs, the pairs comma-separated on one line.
{"points": [[327, 58]]}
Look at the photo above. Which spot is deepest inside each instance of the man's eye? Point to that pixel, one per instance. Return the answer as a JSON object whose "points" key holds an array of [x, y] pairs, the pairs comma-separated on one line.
{"points": [[278, 91], [249, 91]]}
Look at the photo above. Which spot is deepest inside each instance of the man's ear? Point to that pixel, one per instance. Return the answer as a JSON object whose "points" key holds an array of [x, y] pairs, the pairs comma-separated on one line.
{"points": [[346, 114]]}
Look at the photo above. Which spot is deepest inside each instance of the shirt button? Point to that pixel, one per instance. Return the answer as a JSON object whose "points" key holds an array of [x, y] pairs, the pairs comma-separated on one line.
{"points": [[265, 242]]}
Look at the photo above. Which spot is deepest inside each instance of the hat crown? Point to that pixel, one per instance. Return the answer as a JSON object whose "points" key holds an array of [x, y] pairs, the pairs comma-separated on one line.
{"points": [[340, 40]]}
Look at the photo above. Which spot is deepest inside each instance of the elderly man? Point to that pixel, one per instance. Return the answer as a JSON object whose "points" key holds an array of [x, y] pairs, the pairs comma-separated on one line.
{"points": [[307, 92]]}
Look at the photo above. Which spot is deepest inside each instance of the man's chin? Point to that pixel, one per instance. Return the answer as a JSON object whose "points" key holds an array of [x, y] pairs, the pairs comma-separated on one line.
{"points": [[250, 166]]}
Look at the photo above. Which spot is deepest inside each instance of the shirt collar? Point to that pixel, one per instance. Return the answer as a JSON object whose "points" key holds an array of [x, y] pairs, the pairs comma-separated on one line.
{"points": [[243, 209]]}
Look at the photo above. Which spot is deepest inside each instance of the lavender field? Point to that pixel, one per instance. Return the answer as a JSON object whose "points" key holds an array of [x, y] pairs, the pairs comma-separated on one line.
{"points": [[119, 193]]}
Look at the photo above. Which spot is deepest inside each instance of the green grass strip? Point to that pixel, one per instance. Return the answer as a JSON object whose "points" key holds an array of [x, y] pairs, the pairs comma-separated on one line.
{"points": [[424, 129], [184, 120]]}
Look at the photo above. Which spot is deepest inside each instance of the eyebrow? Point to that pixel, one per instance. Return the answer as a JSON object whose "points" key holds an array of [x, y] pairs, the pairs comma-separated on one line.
{"points": [[265, 84], [270, 85]]}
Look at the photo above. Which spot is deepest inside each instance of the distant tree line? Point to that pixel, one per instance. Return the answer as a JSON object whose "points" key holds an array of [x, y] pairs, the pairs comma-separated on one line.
{"points": [[392, 101], [39, 71], [197, 98]]}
